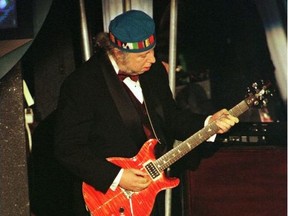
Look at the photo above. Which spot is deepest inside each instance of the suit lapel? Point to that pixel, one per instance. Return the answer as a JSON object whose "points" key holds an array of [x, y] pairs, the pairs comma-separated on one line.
{"points": [[123, 103]]}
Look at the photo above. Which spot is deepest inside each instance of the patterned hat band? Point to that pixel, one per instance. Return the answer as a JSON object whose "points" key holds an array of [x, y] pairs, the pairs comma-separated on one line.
{"points": [[133, 46]]}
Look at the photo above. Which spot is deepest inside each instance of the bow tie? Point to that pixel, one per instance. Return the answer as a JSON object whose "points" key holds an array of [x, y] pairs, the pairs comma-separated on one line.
{"points": [[123, 76]]}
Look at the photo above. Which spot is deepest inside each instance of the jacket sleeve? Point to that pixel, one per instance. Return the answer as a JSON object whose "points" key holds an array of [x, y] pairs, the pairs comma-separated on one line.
{"points": [[72, 144]]}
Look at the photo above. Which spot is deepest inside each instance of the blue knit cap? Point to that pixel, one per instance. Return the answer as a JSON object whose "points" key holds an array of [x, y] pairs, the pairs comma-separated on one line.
{"points": [[132, 31]]}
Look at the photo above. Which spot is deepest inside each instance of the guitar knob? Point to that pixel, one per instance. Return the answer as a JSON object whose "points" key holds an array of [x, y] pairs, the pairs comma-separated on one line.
{"points": [[122, 211]]}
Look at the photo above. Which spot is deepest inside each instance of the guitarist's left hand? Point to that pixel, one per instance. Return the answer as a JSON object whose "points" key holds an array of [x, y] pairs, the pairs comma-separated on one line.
{"points": [[224, 120]]}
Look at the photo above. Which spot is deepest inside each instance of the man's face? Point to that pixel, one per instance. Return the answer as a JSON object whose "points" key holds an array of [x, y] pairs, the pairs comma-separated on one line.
{"points": [[138, 63]]}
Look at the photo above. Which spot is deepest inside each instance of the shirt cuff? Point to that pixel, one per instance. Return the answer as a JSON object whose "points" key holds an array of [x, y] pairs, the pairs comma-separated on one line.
{"points": [[117, 180], [213, 137]]}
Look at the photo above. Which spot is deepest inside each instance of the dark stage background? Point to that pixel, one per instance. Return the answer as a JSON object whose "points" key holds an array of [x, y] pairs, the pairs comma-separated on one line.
{"points": [[221, 49], [220, 43]]}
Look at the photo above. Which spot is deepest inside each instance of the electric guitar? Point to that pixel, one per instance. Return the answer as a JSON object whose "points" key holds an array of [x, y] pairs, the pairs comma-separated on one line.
{"points": [[124, 202]]}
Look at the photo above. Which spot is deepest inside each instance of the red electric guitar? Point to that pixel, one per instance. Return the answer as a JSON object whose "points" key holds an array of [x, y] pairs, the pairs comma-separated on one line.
{"points": [[123, 202]]}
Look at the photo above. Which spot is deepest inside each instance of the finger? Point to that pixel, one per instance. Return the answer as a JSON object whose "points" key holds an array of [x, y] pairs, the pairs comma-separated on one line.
{"points": [[234, 119], [229, 119], [227, 124], [145, 180], [139, 172], [145, 183], [224, 125]]}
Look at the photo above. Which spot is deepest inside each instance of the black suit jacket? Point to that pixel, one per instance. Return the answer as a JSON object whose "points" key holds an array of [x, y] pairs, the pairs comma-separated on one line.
{"points": [[96, 120]]}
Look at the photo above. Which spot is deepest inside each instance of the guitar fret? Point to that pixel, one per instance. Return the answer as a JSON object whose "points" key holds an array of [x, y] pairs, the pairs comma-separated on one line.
{"points": [[182, 149], [239, 109]]}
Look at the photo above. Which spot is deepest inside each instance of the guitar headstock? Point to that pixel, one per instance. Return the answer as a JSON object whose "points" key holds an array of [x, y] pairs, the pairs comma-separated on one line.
{"points": [[258, 94]]}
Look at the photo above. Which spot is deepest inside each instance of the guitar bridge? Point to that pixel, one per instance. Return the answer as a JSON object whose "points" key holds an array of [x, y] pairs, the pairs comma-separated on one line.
{"points": [[152, 170]]}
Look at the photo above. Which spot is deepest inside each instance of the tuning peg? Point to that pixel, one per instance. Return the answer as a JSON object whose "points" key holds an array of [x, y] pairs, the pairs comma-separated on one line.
{"points": [[255, 85], [256, 103], [248, 89], [265, 102]]}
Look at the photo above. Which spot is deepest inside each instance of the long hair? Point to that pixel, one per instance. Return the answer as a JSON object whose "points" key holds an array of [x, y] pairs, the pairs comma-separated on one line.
{"points": [[102, 42]]}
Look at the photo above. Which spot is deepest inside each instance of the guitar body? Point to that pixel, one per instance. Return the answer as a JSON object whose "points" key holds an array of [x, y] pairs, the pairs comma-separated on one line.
{"points": [[121, 202]]}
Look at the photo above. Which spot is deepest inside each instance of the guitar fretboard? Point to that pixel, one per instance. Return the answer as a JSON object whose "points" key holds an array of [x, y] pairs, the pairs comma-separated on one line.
{"points": [[205, 133]]}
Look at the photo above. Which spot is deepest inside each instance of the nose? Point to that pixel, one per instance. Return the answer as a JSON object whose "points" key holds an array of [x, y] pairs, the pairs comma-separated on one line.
{"points": [[151, 57]]}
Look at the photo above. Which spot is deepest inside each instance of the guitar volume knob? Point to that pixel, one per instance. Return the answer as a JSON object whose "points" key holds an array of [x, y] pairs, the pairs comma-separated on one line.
{"points": [[122, 211]]}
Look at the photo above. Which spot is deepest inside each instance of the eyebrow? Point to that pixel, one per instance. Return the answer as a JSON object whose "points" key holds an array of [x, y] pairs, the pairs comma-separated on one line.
{"points": [[145, 53]]}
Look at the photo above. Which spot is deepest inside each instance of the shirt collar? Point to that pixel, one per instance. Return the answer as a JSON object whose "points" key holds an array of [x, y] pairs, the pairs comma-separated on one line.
{"points": [[114, 64]]}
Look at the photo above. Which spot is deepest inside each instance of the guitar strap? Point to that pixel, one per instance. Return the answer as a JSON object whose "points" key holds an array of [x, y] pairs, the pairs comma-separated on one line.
{"points": [[155, 110]]}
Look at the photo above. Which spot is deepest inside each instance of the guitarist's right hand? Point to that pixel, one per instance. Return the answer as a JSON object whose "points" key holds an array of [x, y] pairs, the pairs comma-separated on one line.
{"points": [[134, 180]]}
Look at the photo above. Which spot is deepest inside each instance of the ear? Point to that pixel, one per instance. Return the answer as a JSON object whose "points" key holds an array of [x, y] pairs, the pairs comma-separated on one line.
{"points": [[116, 52], [118, 55]]}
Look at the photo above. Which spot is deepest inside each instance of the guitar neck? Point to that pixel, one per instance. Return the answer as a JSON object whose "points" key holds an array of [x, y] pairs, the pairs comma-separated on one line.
{"points": [[205, 133]]}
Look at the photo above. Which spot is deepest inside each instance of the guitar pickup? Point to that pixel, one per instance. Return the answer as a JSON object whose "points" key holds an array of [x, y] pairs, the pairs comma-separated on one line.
{"points": [[152, 170]]}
